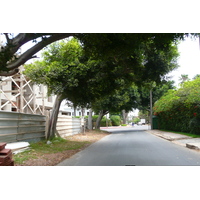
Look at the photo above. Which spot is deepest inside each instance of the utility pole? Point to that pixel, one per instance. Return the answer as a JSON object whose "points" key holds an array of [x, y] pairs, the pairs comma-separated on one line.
{"points": [[151, 110]]}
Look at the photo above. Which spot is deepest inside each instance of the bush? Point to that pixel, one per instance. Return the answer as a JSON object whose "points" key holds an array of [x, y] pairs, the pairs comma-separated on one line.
{"points": [[115, 120], [136, 120], [179, 110], [194, 125], [94, 118], [123, 124]]}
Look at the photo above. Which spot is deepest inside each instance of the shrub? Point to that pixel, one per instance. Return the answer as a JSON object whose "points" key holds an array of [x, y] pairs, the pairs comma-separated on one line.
{"points": [[116, 120], [136, 120], [94, 118], [194, 125], [179, 110]]}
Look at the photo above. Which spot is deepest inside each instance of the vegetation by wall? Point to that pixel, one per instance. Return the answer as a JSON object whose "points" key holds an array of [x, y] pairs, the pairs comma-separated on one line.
{"points": [[179, 110]]}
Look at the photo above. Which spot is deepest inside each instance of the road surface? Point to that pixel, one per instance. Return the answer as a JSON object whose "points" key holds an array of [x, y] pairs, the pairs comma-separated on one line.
{"points": [[134, 147]]}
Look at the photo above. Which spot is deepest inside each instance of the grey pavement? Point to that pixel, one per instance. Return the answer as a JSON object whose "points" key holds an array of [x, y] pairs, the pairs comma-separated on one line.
{"points": [[112, 129], [138, 146], [183, 140]]}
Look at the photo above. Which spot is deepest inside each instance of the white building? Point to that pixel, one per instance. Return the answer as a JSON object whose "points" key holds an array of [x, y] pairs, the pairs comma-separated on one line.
{"points": [[18, 94], [67, 108]]}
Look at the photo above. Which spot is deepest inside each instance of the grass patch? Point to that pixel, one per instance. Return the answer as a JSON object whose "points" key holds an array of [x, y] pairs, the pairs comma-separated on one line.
{"points": [[182, 133], [42, 148]]}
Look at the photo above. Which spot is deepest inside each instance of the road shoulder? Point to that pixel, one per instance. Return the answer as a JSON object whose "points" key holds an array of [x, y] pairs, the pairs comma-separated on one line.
{"points": [[183, 140]]}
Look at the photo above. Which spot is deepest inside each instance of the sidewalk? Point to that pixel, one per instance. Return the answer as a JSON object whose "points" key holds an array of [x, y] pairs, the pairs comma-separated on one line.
{"points": [[183, 140]]}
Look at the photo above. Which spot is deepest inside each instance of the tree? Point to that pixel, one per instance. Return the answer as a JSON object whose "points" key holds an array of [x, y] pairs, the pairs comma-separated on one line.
{"points": [[121, 48], [157, 91], [83, 76], [144, 114], [196, 76], [71, 75], [60, 71], [183, 78], [11, 59], [145, 56], [122, 100]]}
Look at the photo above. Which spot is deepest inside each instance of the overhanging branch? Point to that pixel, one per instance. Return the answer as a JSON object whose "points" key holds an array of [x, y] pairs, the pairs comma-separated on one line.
{"points": [[10, 73], [22, 39]]}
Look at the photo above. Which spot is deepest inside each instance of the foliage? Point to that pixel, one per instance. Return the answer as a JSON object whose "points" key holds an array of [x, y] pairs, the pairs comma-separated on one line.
{"points": [[10, 56], [85, 79], [115, 120], [136, 120], [179, 110], [194, 125], [143, 114], [105, 122], [143, 54], [183, 78], [123, 99], [157, 92], [94, 118]]}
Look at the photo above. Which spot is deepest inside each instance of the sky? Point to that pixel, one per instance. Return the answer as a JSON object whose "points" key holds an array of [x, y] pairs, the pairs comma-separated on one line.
{"points": [[189, 59]]}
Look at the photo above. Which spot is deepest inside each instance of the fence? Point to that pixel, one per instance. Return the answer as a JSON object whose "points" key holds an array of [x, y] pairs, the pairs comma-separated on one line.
{"points": [[67, 125], [16, 127]]}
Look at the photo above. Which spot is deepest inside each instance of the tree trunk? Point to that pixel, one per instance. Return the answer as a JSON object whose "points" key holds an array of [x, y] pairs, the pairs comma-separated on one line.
{"points": [[101, 114], [74, 111], [124, 116], [53, 118], [83, 111], [90, 120]]}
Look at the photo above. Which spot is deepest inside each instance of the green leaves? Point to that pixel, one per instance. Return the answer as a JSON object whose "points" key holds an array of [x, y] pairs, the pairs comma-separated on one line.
{"points": [[179, 109]]}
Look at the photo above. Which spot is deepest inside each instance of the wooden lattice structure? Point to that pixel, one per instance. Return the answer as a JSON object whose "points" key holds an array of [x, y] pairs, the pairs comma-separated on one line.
{"points": [[18, 94]]}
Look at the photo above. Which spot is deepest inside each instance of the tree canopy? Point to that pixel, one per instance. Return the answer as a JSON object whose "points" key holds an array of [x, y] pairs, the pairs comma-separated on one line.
{"points": [[73, 72], [121, 48]]}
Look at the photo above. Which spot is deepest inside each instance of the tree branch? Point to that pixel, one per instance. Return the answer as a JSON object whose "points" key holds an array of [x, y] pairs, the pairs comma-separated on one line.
{"points": [[10, 73], [7, 38], [22, 38]]}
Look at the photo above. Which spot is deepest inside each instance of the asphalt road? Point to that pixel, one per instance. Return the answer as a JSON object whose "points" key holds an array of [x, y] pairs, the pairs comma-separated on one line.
{"points": [[134, 147]]}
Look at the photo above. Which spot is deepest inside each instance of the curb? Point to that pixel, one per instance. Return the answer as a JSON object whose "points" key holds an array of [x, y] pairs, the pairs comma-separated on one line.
{"points": [[190, 145]]}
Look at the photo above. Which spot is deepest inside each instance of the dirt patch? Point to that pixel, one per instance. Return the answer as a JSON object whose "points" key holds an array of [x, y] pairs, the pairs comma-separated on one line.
{"points": [[55, 158]]}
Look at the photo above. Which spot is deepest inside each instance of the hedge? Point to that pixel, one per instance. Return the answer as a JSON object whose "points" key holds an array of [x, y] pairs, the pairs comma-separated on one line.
{"points": [[115, 120], [179, 110]]}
